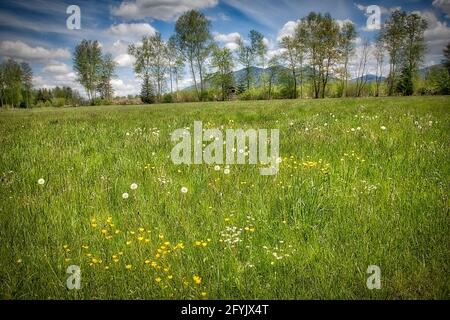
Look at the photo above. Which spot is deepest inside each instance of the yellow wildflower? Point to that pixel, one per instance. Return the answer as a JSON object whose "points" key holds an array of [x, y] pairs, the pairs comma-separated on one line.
{"points": [[197, 279]]}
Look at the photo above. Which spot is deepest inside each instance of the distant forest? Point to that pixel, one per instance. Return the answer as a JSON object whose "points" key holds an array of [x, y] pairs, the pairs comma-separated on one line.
{"points": [[311, 63]]}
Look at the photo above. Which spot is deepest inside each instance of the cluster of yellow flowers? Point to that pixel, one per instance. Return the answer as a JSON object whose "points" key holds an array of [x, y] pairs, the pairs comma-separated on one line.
{"points": [[160, 260], [202, 243]]}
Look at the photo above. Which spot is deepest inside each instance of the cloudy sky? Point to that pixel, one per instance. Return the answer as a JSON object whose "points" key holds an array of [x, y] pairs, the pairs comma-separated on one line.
{"points": [[36, 32]]}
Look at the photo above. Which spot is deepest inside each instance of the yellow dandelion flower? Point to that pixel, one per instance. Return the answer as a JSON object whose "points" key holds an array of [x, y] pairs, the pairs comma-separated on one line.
{"points": [[106, 267], [140, 238], [198, 243], [94, 225], [120, 253], [94, 261], [141, 229], [132, 232], [117, 231], [104, 231], [129, 242], [116, 260], [147, 240], [158, 280], [65, 246], [154, 264], [204, 244], [169, 277], [197, 279], [85, 247], [166, 269], [128, 266], [161, 236], [204, 294]]}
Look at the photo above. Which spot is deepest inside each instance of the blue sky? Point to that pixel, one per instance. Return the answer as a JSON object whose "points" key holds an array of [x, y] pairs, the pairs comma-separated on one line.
{"points": [[35, 31]]}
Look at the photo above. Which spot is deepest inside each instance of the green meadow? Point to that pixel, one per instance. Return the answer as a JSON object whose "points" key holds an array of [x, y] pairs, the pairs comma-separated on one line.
{"points": [[361, 182]]}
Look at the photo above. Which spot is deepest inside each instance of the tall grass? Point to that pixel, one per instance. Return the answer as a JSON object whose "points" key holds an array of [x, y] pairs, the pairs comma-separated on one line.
{"points": [[362, 182]]}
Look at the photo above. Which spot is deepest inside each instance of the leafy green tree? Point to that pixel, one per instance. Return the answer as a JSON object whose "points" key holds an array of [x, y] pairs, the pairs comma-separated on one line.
{"points": [[246, 58], [87, 63], [151, 61], [106, 74], [393, 35], [12, 75], [175, 64], [294, 58], [147, 90], [320, 35], [193, 38], [347, 38], [274, 71], [249, 53], [413, 51], [446, 60], [259, 49], [379, 58], [437, 80], [222, 63]]}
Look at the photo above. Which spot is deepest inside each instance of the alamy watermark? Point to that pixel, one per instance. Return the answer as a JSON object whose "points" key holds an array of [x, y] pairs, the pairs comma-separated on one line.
{"points": [[73, 22], [261, 149], [374, 17], [374, 280], [74, 280]]}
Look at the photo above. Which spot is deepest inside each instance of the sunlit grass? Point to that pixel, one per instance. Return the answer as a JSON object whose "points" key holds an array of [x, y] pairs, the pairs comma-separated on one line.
{"points": [[361, 182]]}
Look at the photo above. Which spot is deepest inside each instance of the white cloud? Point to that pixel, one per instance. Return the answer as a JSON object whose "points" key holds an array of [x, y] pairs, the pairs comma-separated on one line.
{"points": [[56, 67], [134, 30], [444, 5], [232, 46], [21, 50], [123, 89], [124, 60], [436, 35], [159, 9], [342, 22], [287, 30], [230, 37], [229, 40]]}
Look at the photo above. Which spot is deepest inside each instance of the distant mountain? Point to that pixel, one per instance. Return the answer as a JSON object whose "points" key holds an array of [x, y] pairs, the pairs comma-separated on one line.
{"points": [[370, 78], [424, 71], [257, 73]]}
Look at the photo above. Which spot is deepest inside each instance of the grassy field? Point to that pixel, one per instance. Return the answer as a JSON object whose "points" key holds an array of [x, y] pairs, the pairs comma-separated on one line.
{"points": [[362, 182]]}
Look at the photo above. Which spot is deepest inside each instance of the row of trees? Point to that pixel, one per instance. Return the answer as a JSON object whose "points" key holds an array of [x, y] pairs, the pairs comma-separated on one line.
{"points": [[15, 84], [319, 51], [314, 58], [94, 70]]}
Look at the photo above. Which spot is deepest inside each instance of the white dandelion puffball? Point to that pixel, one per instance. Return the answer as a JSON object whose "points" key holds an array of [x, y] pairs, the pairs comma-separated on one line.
{"points": [[41, 181], [226, 171], [184, 190], [125, 195], [133, 186], [217, 168], [383, 128]]}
